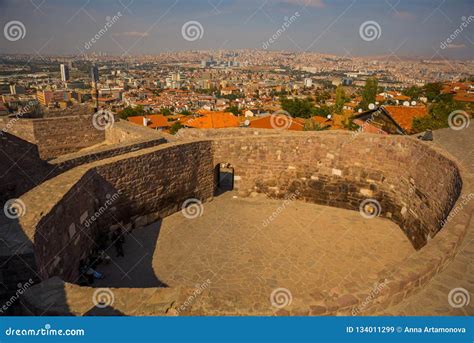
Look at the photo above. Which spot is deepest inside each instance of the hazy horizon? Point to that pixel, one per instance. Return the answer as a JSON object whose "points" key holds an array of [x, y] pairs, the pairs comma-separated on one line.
{"points": [[413, 29]]}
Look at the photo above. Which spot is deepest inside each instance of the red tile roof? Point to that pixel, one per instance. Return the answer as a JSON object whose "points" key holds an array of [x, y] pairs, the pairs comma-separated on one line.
{"points": [[212, 120], [277, 122], [154, 120], [404, 115]]}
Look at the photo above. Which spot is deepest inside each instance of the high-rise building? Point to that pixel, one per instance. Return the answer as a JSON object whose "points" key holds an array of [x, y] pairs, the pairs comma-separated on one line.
{"points": [[95, 74], [64, 73], [16, 89]]}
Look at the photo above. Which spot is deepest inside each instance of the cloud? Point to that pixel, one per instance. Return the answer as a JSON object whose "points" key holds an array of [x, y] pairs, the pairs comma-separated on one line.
{"points": [[307, 3], [456, 46], [404, 15], [132, 34]]}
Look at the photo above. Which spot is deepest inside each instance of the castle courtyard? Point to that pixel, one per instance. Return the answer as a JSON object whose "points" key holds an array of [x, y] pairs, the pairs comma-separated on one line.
{"points": [[241, 249]]}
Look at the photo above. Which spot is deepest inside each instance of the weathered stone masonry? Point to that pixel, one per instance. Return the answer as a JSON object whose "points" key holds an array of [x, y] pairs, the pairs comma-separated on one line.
{"points": [[151, 184], [415, 186]]}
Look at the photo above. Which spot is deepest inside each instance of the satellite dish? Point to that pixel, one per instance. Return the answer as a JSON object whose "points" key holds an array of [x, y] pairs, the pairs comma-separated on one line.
{"points": [[406, 103], [329, 116], [413, 103], [247, 122], [360, 110], [371, 106]]}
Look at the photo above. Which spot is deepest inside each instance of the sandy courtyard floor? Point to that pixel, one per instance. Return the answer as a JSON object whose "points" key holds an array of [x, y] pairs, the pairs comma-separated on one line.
{"points": [[304, 248]]}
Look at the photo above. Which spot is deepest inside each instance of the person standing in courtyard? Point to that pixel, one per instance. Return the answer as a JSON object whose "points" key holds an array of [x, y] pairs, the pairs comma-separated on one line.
{"points": [[118, 239]]}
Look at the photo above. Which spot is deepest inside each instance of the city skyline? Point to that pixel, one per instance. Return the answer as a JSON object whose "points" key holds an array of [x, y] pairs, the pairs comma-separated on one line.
{"points": [[425, 29]]}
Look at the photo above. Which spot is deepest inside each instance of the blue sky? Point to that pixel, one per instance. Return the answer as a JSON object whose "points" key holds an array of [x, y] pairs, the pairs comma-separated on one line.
{"points": [[407, 28]]}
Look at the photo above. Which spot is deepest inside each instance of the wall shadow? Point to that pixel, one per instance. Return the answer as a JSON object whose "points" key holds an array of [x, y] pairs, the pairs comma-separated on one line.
{"points": [[135, 268], [21, 169]]}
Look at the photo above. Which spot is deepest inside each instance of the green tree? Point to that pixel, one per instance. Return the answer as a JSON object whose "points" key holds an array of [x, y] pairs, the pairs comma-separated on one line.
{"points": [[340, 99], [322, 111], [302, 108], [322, 97], [369, 93], [186, 112], [131, 112], [438, 115], [432, 90], [413, 92], [166, 111], [175, 127], [233, 109]]}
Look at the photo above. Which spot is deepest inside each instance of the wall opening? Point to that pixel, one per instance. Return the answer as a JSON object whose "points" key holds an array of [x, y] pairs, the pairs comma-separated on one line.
{"points": [[224, 178]]}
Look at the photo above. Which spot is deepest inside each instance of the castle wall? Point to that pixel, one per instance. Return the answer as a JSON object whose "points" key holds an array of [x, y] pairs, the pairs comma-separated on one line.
{"points": [[90, 200], [59, 136], [414, 186]]}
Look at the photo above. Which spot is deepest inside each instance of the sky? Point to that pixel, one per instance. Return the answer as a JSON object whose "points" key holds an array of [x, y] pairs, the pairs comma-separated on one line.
{"points": [[401, 28]]}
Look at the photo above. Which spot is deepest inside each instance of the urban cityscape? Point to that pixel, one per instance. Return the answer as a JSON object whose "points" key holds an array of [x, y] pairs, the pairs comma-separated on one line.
{"points": [[237, 158]]}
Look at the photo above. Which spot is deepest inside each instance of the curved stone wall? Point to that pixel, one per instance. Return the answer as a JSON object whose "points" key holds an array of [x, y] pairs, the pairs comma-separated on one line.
{"points": [[415, 185], [84, 202]]}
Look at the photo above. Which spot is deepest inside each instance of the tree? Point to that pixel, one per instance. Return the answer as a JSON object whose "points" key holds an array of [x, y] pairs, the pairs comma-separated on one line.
{"points": [[322, 111], [175, 127], [369, 93], [413, 92], [233, 109], [438, 116], [432, 90], [166, 111], [322, 97], [186, 112], [340, 99], [131, 112], [302, 108]]}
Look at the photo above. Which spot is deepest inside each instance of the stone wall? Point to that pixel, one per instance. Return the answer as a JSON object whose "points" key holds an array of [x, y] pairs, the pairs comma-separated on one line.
{"points": [[21, 169], [63, 135], [144, 186], [414, 186], [23, 166], [55, 136], [22, 128]]}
